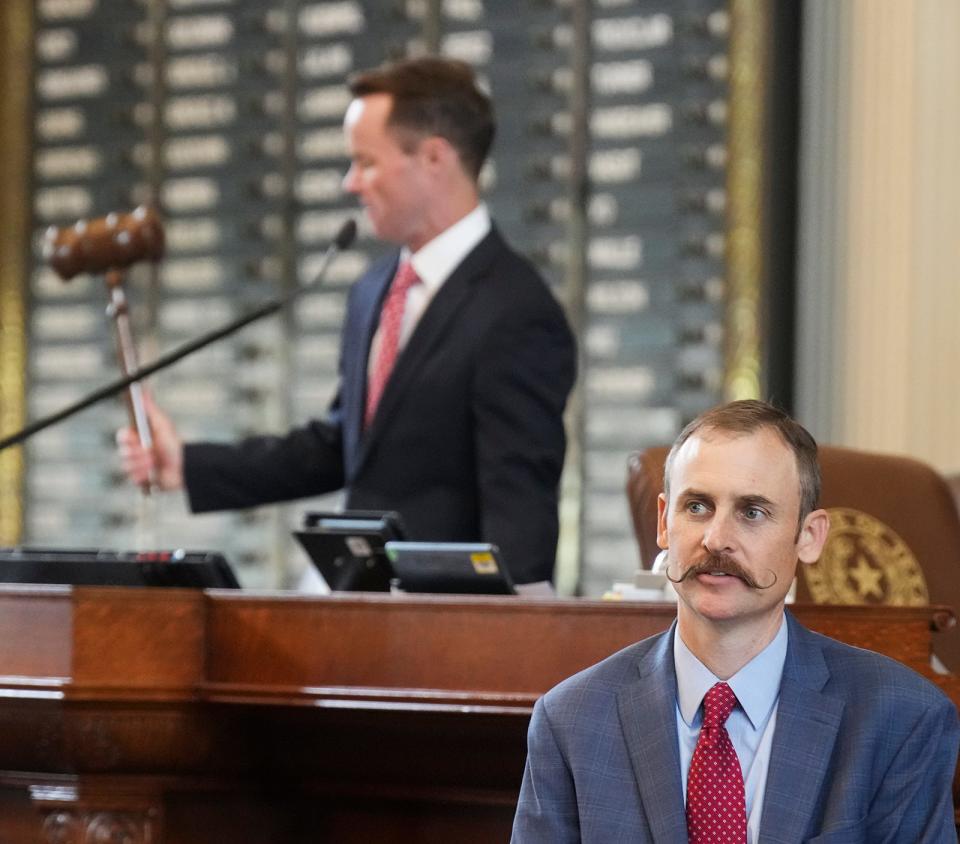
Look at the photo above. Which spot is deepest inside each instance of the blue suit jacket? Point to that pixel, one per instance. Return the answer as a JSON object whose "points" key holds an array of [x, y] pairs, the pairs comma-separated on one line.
{"points": [[467, 442], [864, 751]]}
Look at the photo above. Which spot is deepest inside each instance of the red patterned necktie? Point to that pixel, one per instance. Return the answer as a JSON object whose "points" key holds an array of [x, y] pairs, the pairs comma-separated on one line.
{"points": [[716, 805], [391, 321]]}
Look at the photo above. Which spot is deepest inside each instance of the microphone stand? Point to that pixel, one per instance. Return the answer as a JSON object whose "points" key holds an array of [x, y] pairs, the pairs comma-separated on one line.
{"points": [[343, 239]]}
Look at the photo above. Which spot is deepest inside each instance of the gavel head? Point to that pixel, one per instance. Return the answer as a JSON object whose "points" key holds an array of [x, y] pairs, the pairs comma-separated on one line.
{"points": [[108, 243]]}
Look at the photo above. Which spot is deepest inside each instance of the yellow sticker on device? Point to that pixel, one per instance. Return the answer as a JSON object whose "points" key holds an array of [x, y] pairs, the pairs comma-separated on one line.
{"points": [[483, 563]]}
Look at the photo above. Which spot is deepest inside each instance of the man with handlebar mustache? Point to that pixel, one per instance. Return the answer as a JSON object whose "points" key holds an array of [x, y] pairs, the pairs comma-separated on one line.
{"points": [[738, 724]]}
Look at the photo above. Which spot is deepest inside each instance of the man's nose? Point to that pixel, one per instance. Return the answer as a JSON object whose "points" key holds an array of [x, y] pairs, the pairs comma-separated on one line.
{"points": [[719, 535], [349, 180]]}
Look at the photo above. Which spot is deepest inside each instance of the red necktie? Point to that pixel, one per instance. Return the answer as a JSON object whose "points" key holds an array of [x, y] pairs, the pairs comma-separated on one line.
{"points": [[716, 805], [391, 321]]}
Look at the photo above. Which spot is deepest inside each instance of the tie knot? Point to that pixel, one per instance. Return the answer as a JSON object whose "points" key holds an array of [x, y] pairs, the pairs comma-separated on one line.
{"points": [[718, 703]]}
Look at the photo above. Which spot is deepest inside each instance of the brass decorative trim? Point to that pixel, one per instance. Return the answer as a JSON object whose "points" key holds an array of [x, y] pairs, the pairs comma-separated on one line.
{"points": [[745, 172], [15, 61]]}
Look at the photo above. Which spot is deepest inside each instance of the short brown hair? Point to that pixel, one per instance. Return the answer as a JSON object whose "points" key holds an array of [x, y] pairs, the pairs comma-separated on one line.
{"points": [[746, 417], [435, 96]]}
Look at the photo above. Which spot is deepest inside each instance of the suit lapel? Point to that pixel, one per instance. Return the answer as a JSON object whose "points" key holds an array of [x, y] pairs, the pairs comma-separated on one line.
{"points": [[807, 726], [647, 710], [434, 326]]}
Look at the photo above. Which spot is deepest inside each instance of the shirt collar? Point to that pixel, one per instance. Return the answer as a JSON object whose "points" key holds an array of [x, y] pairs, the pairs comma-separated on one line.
{"points": [[756, 685], [437, 259]]}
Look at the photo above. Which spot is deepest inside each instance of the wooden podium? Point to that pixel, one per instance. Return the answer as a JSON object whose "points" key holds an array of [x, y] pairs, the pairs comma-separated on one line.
{"points": [[145, 716]]}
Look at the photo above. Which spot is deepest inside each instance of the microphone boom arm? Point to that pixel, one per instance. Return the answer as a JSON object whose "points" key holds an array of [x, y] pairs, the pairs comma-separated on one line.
{"points": [[142, 372], [342, 240]]}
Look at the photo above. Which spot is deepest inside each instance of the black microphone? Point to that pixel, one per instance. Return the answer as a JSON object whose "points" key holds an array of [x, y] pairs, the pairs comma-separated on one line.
{"points": [[344, 237]]}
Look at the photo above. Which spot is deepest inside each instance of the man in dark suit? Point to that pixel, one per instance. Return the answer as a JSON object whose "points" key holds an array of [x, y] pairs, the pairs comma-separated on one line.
{"points": [[800, 737], [456, 360]]}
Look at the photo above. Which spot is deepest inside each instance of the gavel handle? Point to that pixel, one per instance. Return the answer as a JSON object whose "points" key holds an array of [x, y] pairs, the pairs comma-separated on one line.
{"points": [[119, 312]]}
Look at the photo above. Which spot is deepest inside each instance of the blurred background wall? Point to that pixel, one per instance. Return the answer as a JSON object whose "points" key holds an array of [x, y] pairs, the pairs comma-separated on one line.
{"points": [[731, 199]]}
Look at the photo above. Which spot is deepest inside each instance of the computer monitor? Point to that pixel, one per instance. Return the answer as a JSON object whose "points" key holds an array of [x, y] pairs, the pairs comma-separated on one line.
{"points": [[347, 548], [87, 567]]}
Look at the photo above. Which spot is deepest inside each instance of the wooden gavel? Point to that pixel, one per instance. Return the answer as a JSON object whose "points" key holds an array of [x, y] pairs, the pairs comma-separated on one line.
{"points": [[111, 244], [108, 243]]}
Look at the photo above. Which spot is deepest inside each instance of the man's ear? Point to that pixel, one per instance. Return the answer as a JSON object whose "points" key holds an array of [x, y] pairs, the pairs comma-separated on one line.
{"points": [[813, 536], [662, 541], [436, 150]]}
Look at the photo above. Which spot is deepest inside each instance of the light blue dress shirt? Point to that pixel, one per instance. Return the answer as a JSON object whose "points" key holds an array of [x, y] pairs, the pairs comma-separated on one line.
{"points": [[750, 725]]}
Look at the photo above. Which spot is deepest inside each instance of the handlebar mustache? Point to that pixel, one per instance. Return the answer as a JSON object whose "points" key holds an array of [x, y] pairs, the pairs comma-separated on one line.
{"points": [[721, 564]]}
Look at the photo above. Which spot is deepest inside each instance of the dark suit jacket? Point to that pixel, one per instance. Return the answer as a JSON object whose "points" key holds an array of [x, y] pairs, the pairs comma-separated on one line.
{"points": [[468, 440], [864, 751]]}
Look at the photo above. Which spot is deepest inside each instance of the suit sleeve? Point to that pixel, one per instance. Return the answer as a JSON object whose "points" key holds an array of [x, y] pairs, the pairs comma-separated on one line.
{"points": [[915, 799], [547, 808], [525, 371], [265, 469]]}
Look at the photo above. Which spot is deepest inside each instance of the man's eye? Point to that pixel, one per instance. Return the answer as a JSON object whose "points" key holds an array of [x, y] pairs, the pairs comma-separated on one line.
{"points": [[696, 508], [753, 513]]}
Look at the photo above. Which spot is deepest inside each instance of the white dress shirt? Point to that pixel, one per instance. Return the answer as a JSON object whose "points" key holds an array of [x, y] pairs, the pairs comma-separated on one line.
{"points": [[434, 263], [751, 724]]}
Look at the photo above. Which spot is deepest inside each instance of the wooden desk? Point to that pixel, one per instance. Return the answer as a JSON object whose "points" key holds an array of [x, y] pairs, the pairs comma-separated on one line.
{"points": [[146, 716]]}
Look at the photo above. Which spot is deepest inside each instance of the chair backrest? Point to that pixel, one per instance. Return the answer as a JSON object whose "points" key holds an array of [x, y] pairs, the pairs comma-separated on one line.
{"points": [[894, 533]]}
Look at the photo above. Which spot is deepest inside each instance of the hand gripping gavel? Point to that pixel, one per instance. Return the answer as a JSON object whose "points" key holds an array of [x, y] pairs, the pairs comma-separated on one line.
{"points": [[110, 244]]}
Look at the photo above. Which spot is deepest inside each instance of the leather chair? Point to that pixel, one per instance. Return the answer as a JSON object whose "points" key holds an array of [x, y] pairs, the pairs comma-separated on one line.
{"points": [[894, 535], [953, 481]]}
